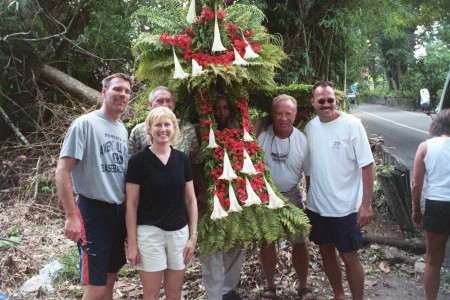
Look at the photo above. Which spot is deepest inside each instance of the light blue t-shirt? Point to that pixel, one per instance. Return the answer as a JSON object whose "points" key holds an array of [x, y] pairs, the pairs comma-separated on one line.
{"points": [[100, 146]]}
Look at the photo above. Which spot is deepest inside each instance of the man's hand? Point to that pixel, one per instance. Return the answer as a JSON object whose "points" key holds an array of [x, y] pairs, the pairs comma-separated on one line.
{"points": [[364, 215], [418, 218], [72, 228]]}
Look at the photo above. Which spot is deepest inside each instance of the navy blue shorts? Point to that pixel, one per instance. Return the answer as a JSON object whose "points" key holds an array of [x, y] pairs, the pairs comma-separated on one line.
{"points": [[437, 216], [341, 231], [102, 243]]}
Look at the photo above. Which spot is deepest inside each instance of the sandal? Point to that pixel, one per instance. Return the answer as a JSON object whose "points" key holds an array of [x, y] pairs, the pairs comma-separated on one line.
{"points": [[269, 293], [306, 294]]}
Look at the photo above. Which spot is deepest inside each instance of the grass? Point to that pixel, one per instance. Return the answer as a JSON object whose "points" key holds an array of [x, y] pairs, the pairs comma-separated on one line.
{"points": [[70, 272]]}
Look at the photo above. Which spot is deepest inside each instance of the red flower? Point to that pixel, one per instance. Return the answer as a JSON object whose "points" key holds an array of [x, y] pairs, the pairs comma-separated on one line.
{"points": [[251, 148], [230, 27], [259, 167], [218, 153], [166, 39], [216, 173], [257, 182], [240, 46], [241, 189], [205, 123], [256, 47], [208, 14], [264, 196], [189, 31], [220, 14], [248, 33], [246, 124]]}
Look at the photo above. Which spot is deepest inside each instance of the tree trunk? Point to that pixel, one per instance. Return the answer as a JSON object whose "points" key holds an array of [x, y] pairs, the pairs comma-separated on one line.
{"points": [[71, 85], [415, 247], [394, 201]]}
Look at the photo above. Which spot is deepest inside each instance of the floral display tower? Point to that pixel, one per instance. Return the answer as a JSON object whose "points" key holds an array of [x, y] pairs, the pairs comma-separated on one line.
{"points": [[200, 53]]}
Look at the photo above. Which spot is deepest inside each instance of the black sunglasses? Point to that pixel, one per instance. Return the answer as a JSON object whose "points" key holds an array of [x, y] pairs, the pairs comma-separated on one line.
{"points": [[322, 101]]}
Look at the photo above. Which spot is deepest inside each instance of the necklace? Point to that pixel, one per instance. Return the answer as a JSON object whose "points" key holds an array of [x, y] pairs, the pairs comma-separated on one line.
{"points": [[279, 157]]}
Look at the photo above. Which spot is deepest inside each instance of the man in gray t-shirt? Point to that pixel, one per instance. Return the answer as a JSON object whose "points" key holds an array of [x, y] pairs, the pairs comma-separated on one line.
{"points": [[93, 163]]}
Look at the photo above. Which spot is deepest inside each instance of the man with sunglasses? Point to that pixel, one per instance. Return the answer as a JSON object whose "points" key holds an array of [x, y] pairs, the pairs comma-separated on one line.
{"points": [[287, 157], [339, 189]]}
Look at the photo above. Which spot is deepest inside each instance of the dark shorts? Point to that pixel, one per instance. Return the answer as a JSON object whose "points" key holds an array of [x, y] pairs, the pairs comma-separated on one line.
{"points": [[102, 248], [437, 216], [341, 231]]}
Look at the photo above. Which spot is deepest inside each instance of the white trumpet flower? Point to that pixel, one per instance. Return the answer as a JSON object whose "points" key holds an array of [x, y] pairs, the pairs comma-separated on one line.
{"points": [[238, 60], [217, 43], [234, 205], [249, 53], [247, 136], [252, 198], [179, 73], [228, 172], [191, 16], [274, 201], [212, 139], [248, 167], [196, 68], [218, 211]]}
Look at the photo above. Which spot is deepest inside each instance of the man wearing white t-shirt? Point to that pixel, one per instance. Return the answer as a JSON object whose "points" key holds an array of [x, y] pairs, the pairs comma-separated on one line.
{"points": [[287, 157], [340, 189]]}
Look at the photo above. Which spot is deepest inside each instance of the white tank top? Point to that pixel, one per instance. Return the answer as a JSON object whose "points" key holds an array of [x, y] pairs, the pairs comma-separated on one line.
{"points": [[437, 169]]}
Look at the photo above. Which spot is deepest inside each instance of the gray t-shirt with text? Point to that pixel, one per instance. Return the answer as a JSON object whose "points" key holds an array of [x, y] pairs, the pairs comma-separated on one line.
{"points": [[100, 146]]}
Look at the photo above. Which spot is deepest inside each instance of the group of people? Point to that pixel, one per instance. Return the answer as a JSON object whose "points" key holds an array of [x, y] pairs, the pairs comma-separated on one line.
{"points": [[154, 171]]}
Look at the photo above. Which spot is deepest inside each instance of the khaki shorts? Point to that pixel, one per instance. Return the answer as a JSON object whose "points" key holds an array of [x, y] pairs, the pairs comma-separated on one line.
{"points": [[159, 249]]}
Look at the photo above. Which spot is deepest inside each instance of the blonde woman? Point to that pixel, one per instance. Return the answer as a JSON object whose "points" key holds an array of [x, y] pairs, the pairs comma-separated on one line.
{"points": [[161, 209]]}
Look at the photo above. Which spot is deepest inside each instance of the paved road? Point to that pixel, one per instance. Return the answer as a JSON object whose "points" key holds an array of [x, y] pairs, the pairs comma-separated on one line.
{"points": [[403, 131]]}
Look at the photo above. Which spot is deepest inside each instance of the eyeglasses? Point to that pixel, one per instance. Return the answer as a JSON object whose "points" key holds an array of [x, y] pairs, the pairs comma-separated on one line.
{"points": [[278, 157], [322, 101]]}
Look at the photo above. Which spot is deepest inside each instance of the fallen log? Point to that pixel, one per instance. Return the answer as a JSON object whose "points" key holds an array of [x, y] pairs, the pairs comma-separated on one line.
{"points": [[71, 85], [407, 245]]}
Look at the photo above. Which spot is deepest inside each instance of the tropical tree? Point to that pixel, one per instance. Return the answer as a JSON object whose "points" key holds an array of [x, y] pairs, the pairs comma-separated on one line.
{"points": [[45, 45]]}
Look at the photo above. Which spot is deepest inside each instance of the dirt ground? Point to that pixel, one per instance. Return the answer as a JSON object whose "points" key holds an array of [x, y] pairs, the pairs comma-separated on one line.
{"points": [[389, 273]]}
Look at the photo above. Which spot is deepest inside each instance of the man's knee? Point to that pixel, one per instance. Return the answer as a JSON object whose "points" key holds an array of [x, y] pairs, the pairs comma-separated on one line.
{"points": [[350, 258], [434, 260], [97, 292]]}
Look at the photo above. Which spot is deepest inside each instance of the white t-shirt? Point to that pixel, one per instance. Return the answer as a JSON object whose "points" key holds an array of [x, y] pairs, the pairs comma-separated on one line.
{"points": [[286, 158], [338, 151]]}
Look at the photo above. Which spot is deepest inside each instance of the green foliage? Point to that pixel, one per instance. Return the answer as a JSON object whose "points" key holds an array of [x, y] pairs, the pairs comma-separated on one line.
{"points": [[430, 70], [246, 17], [254, 224], [127, 271], [13, 238], [70, 271], [161, 16]]}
